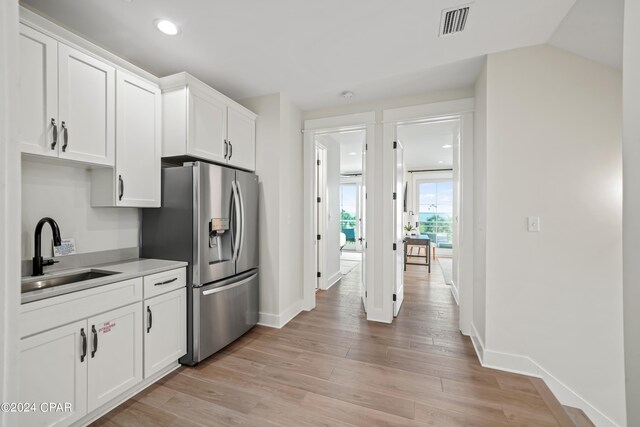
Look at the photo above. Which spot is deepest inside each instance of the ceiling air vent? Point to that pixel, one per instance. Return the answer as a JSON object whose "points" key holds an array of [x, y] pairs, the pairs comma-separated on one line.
{"points": [[453, 20]]}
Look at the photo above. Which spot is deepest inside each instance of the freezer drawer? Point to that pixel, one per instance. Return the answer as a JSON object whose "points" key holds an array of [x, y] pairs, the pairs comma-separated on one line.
{"points": [[227, 311]]}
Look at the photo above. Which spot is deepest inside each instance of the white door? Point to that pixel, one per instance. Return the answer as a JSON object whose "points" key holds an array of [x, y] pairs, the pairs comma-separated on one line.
{"points": [[38, 93], [241, 136], [86, 107], [207, 131], [53, 369], [138, 142], [115, 353], [321, 215], [363, 228], [165, 330], [398, 211]]}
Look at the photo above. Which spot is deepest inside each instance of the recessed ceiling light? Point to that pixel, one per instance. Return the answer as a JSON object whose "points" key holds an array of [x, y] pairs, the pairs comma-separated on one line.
{"points": [[440, 162], [447, 146], [167, 27], [353, 153]]}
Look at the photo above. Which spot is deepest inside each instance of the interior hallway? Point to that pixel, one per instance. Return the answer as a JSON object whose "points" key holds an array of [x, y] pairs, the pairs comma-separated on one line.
{"points": [[332, 367]]}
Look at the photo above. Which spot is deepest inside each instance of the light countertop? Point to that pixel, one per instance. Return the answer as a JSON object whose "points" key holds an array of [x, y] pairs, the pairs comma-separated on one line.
{"points": [[124, 270]]}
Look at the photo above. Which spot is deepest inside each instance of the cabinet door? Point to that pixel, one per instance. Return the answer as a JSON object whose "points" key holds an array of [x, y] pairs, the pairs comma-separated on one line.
{"points": [[242, 139], [165, 330], [115, 354], [138, 142], [53, 369], [86, 107], [207, 126], [38, 93]]}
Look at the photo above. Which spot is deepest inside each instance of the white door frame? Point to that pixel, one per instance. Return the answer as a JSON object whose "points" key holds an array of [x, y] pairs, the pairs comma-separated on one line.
{"points": [[462, 110], [10, 202], [311, 127], [321, 215]]}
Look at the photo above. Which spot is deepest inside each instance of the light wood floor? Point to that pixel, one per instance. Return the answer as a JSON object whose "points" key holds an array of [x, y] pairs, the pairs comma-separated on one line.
{"points": [[331, 367]]}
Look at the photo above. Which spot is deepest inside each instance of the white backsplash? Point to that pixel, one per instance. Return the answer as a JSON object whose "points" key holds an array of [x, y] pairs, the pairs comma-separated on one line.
{"points": [[62, 192]]}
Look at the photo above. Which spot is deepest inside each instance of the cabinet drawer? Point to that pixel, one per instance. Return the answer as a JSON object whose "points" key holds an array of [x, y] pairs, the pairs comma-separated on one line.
{"points": [[160, 283], [52, 312]]}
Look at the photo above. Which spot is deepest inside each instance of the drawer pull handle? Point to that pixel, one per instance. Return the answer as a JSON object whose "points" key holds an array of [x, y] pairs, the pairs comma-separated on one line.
{"points": [[95, 341], [150, 322], [166, 282], [84, 345]]}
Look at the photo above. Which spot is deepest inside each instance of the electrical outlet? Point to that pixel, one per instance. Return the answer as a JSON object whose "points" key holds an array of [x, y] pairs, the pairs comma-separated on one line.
{"points": [[533, 224]]}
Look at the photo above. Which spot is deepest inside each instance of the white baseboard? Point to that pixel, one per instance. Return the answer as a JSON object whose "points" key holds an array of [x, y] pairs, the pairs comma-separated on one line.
{"points": [[526, 366], [332, 280], [454, 292], [279, 320], [477, 342]]}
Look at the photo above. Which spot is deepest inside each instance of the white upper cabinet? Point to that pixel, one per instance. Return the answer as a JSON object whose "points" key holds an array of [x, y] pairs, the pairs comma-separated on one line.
{"points": [[207, 125], [38, 93], [86, 96], [66, 101], [135, 181], [241, 137], [199, 122], [138, 142]]}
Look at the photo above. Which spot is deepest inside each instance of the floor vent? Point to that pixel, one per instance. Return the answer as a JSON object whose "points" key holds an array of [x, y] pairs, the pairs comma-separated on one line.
{"points": [[453, 20]]}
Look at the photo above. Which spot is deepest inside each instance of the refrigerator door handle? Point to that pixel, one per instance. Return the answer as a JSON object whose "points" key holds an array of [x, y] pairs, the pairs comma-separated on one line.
{"points": [[229, 286], [238, 214], [241, 204]]}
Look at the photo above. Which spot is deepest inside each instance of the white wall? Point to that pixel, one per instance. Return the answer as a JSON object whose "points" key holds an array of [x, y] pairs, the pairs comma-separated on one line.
{"points": [[279, 168], [291, 219], [64, 193], [631, 225], [480, 209], [554, 298], [9, 208]]}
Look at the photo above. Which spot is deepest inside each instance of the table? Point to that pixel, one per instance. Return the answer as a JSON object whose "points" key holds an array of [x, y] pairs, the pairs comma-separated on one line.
{"points": [[418, 241]]}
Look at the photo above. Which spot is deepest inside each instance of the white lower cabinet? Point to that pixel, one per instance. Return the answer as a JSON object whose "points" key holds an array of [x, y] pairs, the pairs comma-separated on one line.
{"points": [[53, 369], [85, 365], [85, 362], [165, 326], [115, 354]]}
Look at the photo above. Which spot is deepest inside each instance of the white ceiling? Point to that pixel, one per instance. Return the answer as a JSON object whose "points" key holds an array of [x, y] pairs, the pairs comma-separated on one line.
{"points": [[423, 144], [351, 144], [311, 51], [593, 28]]}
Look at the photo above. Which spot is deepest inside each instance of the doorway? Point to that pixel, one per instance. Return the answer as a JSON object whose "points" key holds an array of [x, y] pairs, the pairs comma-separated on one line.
{"points": [[341, 247], [339, 214], [435, 173]]}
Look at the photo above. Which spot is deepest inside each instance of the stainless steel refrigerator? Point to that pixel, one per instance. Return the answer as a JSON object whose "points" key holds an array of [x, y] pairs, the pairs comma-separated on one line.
{"points": [[209, 218]]}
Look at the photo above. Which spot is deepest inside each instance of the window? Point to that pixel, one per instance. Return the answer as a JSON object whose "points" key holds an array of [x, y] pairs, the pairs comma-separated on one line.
{"points": [[435, 209], [349, 210]]}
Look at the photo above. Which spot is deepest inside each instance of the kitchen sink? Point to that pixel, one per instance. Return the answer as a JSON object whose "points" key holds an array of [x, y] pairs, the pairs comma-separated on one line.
{"points": [[33, 284]]}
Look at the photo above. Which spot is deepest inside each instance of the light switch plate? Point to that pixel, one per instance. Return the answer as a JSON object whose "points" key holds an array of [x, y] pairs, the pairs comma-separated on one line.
{"points": [[533, 224]]}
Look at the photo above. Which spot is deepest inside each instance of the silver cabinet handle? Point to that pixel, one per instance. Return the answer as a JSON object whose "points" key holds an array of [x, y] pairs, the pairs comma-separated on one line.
{"points": [[230, 149], [65, 136], [226, 148], [166, 282], [150, 319], [121, 181], [55, 134]]}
